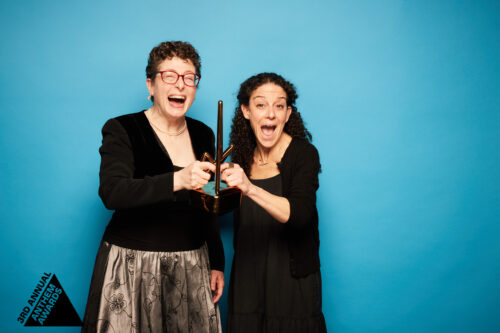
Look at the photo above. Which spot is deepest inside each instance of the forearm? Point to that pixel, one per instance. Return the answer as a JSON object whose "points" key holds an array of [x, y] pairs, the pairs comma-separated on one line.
{"points": [[120, 192], [278, 207], [178, 181]]}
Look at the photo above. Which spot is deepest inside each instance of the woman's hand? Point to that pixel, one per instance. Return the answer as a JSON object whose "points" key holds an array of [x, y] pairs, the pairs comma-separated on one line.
{"points": [[216, 284], [234, 175], [194, 176]]}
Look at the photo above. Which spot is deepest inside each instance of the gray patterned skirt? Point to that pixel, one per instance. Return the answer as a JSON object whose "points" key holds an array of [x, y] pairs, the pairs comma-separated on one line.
{"points": [[147, 291]]}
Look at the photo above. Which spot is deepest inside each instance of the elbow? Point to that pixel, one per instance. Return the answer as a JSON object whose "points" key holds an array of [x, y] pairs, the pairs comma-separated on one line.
{"points": [[300, 220], [298, 223], [303, 212], [285, 213], [107, 198], [285, 218]]}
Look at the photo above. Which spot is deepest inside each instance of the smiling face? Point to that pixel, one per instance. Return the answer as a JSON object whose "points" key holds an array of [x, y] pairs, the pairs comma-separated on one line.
{"points": [[268, 113], [172, 100]]}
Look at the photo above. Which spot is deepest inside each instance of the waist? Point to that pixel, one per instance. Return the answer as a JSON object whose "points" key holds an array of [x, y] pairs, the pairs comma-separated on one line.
{"points": [[160, 231]]}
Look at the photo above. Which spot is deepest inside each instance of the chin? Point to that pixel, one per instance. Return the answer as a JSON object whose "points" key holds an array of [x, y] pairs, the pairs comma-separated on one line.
{"points": [[270, 142], [177, 113], [267, 143]]}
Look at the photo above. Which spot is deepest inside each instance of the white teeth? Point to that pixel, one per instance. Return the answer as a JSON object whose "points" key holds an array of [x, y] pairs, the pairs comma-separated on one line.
{"points": [[178, 97]]}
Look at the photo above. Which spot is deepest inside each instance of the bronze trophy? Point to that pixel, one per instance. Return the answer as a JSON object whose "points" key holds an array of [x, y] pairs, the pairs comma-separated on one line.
{"points": [[211, 197]]}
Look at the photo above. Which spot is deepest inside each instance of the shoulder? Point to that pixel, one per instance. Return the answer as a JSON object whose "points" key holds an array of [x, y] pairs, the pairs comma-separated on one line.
{"points": [[301, 143], [123, 120], [300, 155], [198, 128], [124, 126], [301, 148], [131, 118], [196, 124]]}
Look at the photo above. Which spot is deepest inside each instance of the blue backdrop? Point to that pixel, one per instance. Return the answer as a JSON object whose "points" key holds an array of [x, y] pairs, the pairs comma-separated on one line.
{"points": [[402, 98]]}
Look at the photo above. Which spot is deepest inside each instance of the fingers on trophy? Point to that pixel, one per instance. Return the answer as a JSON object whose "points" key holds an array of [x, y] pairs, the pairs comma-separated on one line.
{"points": [[212, 197]]}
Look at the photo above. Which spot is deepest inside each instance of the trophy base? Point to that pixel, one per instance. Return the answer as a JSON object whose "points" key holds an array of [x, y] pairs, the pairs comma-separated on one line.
{"points": [[227, 200]]}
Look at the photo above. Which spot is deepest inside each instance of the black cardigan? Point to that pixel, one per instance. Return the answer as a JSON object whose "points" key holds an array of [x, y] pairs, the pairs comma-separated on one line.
{"points": [[299, 170], [136, 180]]}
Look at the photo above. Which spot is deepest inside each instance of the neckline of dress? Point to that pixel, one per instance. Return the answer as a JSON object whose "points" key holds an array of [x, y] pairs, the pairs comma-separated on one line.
{"points": [[161, 145], [268, 178]]}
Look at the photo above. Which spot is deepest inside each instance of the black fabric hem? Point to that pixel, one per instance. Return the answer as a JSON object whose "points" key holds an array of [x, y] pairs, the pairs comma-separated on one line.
{"points": [[140, 245], [259, 323], [96, 284]]}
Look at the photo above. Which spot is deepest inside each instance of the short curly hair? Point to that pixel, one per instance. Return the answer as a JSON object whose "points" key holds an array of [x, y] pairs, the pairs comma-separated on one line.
{"points": [[242, 136], [168, 50]]}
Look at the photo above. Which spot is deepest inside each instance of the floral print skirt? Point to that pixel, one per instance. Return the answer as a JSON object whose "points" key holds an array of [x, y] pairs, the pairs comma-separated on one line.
{"points": [[147, 291]]}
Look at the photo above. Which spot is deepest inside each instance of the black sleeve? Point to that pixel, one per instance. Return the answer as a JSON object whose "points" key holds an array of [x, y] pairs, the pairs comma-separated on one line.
{"points": [[118, 188], [302, 190]]}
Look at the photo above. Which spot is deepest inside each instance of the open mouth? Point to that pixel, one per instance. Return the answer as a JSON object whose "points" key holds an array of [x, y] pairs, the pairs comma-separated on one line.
{"points": [[177, 101], [268, 130]]}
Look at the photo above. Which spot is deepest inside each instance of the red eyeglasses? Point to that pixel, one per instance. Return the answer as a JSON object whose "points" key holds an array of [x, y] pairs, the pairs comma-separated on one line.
{"points": [[171, 77]]}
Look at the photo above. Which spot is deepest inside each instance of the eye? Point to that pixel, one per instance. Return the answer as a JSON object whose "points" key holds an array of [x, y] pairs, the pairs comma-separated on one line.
{"points": [[189, 79], [280, 106], [170, 77], [259, 105]]}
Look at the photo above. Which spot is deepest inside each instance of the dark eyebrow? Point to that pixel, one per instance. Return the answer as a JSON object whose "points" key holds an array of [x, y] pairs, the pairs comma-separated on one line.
{"points": [[283, 97], [173, 70]]}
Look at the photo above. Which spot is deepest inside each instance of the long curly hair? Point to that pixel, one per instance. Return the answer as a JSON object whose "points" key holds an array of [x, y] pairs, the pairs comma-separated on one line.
{"points": [[242, 135]]}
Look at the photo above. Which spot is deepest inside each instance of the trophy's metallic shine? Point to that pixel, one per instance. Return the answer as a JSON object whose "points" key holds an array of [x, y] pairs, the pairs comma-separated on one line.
{"points": [[224, 200]]}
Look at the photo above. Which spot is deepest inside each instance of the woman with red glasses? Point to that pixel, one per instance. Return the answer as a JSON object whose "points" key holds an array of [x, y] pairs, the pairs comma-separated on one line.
{"points": [[160, 265]]}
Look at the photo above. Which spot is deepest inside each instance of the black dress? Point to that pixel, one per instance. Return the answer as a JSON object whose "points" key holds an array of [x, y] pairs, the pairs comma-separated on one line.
{"points": [[263, 295]]}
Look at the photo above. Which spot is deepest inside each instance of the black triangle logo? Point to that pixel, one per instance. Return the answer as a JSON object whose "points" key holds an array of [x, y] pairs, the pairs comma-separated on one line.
{"points": [[53, 308]]}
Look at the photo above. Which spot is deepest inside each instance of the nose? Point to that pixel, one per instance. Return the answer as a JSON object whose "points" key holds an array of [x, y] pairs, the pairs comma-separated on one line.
{"points": [[271, 114], [180, 82]]}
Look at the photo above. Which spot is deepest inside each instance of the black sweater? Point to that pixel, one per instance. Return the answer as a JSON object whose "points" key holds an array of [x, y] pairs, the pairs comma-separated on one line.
{"points": [[136, 180], [299, 170]]}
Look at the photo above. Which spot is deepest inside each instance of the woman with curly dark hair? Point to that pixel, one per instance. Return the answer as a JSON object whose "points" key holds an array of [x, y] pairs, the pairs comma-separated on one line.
{"points": [[160, 264], [275, 281]]}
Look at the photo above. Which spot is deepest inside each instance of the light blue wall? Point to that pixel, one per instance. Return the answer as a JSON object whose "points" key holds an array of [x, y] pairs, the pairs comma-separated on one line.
{"points": [[402, 98]]}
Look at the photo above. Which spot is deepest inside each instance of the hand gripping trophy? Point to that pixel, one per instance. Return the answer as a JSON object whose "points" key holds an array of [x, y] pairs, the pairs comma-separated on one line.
{"points": [[211, 197]]}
